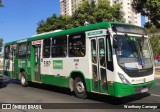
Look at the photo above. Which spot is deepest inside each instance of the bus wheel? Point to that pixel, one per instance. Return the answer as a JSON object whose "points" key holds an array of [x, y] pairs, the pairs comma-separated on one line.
{"points": [[79, 88], [23, 79]]}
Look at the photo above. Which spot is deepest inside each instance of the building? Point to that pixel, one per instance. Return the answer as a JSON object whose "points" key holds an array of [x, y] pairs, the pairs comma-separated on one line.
{"points": [[69, 6], [130, 16], [65, 7]]}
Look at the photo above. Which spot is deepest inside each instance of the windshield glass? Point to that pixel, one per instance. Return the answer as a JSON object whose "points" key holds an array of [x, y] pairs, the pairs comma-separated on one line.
{"points": [[133, 52]]}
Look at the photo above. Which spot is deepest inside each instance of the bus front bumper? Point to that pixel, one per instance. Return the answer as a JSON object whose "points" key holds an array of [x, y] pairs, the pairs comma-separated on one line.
{"points": [[122, 90]]}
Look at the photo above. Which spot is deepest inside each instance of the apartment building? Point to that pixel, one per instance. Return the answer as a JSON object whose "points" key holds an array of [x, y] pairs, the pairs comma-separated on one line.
{"points": [[65, 7], [69, 6], [130, 16]]}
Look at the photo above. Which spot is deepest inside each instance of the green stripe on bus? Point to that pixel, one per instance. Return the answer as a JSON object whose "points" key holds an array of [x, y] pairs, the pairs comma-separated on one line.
{"points": [[122, 90]]}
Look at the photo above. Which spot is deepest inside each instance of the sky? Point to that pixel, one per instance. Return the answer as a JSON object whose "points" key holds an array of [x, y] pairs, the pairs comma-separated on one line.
{"points": [[19, 18], [142, 21]]}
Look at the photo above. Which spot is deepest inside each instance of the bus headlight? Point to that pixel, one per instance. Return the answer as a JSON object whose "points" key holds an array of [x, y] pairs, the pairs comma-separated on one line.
{"points": [[123, 79]]}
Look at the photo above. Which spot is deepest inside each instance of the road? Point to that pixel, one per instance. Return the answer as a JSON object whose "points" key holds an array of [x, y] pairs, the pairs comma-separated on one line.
{"points": [[13, 92]]}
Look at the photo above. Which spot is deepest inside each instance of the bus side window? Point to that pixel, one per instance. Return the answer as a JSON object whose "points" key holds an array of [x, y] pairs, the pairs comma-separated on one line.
{"points": [[46, 48], [22, 50], [77, 45], [28, 49], [11, 52], [59, 46], [7, 51]]}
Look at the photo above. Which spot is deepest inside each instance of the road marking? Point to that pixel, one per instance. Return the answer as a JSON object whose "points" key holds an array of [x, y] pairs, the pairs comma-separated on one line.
{"points": [[155, 95]]}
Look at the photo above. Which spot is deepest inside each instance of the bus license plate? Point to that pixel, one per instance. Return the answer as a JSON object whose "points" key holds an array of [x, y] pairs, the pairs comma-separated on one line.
{"points": [[144, 90]]}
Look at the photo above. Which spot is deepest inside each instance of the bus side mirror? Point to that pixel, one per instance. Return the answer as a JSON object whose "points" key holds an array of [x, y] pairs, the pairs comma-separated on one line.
{"points": [[115, 43]]}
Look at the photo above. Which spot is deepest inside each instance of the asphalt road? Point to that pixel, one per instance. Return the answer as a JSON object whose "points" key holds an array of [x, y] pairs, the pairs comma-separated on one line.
{"points": [[13, 92]]}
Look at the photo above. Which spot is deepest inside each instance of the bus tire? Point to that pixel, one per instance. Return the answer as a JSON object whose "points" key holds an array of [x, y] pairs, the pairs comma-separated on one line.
{"points": [[23, 79], [79, 88]]}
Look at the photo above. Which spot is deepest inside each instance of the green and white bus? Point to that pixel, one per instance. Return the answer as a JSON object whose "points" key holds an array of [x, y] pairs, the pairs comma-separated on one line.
{"points": [[105, 58]]}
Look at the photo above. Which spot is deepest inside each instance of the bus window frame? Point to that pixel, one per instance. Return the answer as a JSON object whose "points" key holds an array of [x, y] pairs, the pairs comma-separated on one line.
{"points": [[22, 56], [83, 35], [28, 49], [8, 56], [48, 56], [65, 47]]}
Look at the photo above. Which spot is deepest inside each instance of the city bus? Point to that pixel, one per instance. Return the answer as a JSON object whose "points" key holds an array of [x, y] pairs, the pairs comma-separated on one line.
{"points": [[109, 58]]}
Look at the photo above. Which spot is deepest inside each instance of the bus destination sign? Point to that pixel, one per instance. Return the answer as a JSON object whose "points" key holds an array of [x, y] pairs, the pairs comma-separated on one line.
{"points": [[95, 33], [36, 42], [124, 28]]}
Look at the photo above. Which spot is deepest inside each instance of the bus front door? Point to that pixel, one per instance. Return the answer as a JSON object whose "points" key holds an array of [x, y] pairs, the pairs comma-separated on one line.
{"points": [[37, 49], [98, 56]]}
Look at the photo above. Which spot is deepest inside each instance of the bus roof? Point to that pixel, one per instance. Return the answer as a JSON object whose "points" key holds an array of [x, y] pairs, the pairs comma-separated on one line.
{"points": [[66, 32]]}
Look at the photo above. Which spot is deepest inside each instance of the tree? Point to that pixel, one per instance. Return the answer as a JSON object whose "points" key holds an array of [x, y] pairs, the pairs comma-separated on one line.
{"points": [[1, 4], [153, 31], [94, 13], [87, 12], [149, 8], [54, 23], [1, 44], [154, 37], [155, 43]]}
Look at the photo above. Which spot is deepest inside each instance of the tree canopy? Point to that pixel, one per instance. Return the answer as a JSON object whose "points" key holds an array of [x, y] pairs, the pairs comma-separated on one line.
{"points": [[155, 43], [94, 13], [1, 4], [150, 9], [1, 44], [154, 35], [54, 23], [86, 12]]}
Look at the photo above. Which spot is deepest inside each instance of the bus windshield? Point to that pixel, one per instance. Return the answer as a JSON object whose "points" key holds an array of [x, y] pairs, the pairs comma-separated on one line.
{"points": [[133, 52]]}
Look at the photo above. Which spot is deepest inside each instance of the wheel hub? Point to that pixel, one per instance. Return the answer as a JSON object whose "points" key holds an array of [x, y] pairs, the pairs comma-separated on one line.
{"points": [[22, 80], [80, 87]]}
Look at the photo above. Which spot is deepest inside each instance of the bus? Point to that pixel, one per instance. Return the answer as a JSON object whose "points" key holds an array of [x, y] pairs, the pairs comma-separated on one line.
{"points": [[109, 58]]}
